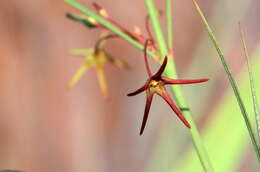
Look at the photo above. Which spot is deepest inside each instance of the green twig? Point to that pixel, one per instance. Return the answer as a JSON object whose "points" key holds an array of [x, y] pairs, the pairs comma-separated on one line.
{"points": [[171, 72], [108, 25], [169, 23], [231, 79], [157, 29]]}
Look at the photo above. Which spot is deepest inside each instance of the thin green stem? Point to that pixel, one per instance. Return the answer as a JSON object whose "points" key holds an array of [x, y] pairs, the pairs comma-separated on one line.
{"points": [[231, 79], [169, 24], [171, 72], [108, 25], [157, 29]]}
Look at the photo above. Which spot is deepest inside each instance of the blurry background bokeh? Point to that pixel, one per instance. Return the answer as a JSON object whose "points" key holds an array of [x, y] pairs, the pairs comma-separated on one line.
{"points": [[46, 127]]}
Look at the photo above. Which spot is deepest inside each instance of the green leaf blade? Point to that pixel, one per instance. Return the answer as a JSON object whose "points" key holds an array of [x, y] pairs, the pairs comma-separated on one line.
{"points": [[230, 77]]}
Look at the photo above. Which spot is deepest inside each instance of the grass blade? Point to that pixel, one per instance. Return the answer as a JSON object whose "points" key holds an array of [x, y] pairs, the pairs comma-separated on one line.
{"points": [[225, 134], [252, 84], [231, 79]]}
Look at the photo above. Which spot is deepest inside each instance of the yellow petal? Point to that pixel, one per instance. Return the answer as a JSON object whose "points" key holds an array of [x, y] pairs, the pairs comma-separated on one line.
{"points": [[102, 80], [117, 62], [120, 64], [82, 52], [79, 73]]}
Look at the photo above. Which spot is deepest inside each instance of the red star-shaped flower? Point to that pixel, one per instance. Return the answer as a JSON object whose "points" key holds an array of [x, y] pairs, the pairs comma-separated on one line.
{"points": [[156, 84]]}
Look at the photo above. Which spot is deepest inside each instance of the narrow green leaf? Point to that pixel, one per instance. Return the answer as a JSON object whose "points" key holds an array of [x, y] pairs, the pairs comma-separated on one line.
{"points": [[231, 79], [225, 133], [252, 84]]}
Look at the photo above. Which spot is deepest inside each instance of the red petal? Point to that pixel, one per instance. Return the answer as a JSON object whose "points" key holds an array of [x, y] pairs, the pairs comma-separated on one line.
{"points": [[160, 71], [168, 99], [138, 91], [183, 81], [149, 98]]}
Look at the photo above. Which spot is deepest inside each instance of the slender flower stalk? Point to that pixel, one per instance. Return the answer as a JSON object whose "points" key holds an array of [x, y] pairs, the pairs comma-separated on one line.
{"points": [[156, 85], [150, 34], [102, 12], [109, 26], [148, 29], [177, 91], [169, 71]]}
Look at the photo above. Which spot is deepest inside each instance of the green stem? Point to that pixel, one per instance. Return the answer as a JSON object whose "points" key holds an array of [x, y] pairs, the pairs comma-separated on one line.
{"points": [[169, 23], [252, 83], [171, 72], [108, 25], [231, 79], [157, 29]]}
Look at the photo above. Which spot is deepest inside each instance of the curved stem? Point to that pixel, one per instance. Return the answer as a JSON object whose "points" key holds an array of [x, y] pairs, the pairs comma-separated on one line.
{"points": [[147, 27], [147, 66], [100, 43]]}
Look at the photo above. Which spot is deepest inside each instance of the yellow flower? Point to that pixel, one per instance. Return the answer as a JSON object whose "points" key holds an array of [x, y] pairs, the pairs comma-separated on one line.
{"points": [[96, 57]]}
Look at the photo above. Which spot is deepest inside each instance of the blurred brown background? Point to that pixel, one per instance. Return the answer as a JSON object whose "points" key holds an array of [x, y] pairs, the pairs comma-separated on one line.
{"points": [[46, 127]]}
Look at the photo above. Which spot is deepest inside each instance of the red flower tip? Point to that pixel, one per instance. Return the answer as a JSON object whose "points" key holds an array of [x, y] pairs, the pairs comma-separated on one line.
{"points": [[143, 88], [183, 81]]}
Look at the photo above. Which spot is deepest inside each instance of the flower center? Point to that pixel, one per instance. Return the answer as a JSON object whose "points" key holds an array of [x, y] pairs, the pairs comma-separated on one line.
{"points": [[156, 86], [154, 83]]}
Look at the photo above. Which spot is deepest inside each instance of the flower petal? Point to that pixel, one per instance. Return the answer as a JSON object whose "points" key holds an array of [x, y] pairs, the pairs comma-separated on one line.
{"points": [[161, 70], [79, 73], [183, 81], [82, 52], [138, 90], [168, 99], [102, 80], [149, 98], [117, 62]]}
